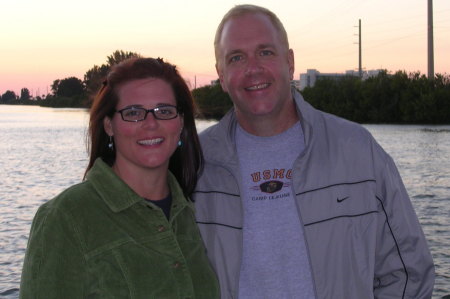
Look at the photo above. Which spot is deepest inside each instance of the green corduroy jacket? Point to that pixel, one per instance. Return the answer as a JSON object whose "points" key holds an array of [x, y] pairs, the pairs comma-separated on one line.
{"points": [[99, 239]]}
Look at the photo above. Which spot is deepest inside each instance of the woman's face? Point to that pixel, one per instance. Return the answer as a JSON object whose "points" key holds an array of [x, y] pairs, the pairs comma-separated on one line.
{"points": [[146, 144]]}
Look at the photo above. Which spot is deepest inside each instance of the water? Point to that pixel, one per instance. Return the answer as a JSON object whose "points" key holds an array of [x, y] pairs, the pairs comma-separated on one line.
{"points": [[43, 151]]}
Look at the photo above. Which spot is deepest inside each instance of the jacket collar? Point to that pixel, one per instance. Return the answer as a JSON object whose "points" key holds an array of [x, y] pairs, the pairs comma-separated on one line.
{"points": [[225, 130], [307, 115], [117, 195], [222, 134]]}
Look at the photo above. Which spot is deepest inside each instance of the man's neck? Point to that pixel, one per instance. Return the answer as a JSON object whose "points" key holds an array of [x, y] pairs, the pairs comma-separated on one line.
{"points": [[268, 125]]}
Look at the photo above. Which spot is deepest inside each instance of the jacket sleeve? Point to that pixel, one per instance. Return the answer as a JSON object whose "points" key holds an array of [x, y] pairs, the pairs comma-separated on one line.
{"points": [[54, 266], [403, 266]]}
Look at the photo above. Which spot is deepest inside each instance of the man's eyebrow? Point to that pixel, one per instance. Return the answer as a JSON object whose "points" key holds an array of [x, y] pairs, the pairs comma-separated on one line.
{"points": [[232, 52], [260, 46], [265, 46]]}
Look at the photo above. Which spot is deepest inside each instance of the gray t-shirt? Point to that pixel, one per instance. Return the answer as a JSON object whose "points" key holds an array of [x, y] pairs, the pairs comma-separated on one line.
{"points": [[275, 262]]}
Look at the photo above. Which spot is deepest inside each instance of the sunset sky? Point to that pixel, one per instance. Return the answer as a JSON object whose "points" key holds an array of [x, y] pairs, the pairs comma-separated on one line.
{"points": [[44, 40]]}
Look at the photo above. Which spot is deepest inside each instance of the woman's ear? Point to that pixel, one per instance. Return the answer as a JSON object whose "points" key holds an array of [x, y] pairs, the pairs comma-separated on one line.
{"points": [[107, 125]]}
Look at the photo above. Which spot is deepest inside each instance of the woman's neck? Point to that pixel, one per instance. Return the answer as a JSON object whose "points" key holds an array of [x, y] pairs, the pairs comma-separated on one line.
{"points": [[149, 183]]}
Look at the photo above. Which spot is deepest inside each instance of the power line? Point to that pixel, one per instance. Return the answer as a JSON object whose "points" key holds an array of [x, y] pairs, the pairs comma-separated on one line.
{"points": [[430, 41]]}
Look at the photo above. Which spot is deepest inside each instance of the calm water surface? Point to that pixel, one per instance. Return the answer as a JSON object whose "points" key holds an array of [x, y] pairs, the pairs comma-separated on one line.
{"points": [[43, 151]]}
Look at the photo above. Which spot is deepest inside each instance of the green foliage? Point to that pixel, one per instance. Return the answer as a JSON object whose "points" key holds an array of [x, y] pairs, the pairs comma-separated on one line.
{"points": [[211, 101], [336, 96], [8, 96], [94, 77], [65, 102], [119, 56], [23, 102], [397, 98], [24, 94], [68, 87], [71, 92], [55, 86]]}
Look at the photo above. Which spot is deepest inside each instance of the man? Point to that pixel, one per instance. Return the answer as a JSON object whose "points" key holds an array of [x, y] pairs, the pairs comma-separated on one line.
{"points": [[294, 202]]}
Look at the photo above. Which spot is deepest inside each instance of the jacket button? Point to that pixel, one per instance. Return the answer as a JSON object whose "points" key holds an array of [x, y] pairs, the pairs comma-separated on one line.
{"points": [[177, 265], [161, 228]]}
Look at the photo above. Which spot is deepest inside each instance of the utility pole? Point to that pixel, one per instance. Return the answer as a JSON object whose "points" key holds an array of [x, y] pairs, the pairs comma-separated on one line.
{"points": [[430, 41], [360, 50]]}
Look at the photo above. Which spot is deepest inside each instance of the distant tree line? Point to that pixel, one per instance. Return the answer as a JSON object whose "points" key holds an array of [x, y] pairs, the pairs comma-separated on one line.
{"points": [[71, 91], [386, 98], [399, 98], [11, 97]]}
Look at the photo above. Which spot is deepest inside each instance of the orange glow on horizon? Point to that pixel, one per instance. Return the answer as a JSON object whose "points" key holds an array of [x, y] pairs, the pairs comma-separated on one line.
{"points": [[44, 43]]}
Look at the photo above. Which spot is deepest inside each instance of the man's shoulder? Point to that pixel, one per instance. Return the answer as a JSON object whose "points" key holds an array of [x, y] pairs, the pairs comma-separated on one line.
{"points": [[319, 120], [208, 132], [331, 124], [211, 141], [344, 125], [339, 135], [219, 130], [207, 137]]}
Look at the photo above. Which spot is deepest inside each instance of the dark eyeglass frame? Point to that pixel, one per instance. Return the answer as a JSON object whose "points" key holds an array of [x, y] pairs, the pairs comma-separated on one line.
{"points": [[147, 111]]}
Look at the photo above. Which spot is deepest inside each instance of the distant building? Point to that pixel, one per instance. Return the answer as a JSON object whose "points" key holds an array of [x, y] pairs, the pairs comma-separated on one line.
{"points": [[309, 78]]}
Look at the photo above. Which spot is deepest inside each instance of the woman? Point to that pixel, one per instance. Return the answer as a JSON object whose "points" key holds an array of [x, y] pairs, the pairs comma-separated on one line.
{"points": [[127, 231]]}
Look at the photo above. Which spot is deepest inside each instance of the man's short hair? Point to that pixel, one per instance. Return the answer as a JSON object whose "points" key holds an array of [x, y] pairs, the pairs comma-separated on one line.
{"points": [[243, 9]]}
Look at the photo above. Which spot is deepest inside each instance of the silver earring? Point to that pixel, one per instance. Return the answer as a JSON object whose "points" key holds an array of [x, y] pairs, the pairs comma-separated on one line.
{"points": [[180, 143], [111, 143]]}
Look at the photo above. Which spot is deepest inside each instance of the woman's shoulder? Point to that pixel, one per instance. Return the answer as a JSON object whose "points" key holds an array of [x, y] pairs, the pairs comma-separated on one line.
{"points": [[71, 199]]}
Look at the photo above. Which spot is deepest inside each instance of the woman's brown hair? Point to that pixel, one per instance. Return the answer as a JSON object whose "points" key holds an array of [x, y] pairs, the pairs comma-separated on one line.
{"points": [[187, 160]]}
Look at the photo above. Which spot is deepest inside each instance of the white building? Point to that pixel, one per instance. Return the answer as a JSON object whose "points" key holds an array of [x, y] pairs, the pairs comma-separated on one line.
{"points": [[309, 78]]}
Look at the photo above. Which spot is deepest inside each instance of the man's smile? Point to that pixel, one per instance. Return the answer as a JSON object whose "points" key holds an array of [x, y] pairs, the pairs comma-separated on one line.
{"points": [[258, 87]]}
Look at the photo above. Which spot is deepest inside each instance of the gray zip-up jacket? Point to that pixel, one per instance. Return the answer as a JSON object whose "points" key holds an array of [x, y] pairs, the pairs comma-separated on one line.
{"points": [[363, 236]]}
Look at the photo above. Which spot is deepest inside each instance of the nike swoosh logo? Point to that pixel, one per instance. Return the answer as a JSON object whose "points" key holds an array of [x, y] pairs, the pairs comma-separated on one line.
{"points": [[341, 199]]}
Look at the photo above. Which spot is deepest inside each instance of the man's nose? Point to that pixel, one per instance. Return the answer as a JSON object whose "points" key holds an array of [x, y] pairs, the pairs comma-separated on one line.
{"points": [[253, 66]]}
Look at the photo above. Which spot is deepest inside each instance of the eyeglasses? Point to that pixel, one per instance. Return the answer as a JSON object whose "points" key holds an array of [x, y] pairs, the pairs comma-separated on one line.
{"points": [[135, 114]]}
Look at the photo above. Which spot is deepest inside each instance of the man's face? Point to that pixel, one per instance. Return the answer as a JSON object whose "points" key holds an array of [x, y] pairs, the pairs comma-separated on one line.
{"points": [[255, 67]]}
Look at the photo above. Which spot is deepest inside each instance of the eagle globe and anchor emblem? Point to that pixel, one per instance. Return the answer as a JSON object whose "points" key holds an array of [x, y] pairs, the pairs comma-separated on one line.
{"points": [[271, 186]]}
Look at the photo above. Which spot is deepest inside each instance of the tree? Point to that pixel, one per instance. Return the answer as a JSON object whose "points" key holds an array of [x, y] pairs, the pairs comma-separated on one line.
{"points": [[385, 98], [94, 77], [212, 101], [9, 96], [55, 86], [119, 56], [24, 94], [69, 87]]}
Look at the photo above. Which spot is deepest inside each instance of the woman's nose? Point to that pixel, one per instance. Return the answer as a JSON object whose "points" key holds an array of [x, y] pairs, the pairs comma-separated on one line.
{"points": [[150, 121]]}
